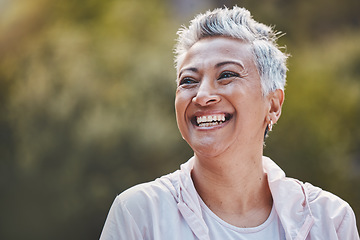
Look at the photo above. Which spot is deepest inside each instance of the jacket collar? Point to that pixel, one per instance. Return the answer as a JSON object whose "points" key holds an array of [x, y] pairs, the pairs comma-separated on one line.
{"points": [[291, 201], [289, 195]]}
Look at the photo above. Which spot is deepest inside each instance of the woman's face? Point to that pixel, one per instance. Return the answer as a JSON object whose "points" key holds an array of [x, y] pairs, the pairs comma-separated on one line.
{"points": [[219, 103]]}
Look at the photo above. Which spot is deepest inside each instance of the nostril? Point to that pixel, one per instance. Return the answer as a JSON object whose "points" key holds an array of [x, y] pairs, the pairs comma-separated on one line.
{"points": [[211, 101]]}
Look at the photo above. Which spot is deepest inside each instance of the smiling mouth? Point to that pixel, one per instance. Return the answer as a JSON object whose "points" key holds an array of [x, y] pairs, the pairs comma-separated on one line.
{"points": [[211, 120]]}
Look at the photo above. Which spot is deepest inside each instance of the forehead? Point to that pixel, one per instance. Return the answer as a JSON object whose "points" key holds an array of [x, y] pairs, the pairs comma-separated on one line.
{"points": [[208, 52]]}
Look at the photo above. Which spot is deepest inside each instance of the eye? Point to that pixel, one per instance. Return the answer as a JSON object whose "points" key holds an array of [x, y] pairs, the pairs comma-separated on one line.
{"points": [[187, 81], [228, 74]]}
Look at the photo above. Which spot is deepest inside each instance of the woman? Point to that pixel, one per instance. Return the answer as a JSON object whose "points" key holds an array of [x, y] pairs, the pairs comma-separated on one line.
{"points": [[230, 91]]}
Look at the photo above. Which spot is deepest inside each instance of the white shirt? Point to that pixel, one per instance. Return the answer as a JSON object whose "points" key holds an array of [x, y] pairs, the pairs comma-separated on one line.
{"points": [[219, 229]]}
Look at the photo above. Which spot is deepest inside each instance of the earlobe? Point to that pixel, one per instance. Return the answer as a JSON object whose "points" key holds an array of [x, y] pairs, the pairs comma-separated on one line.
{"points": [[276, 100]]}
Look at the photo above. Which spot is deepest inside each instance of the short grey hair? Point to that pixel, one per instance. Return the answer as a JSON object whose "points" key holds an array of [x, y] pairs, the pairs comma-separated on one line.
{"points": [[238, 23]]}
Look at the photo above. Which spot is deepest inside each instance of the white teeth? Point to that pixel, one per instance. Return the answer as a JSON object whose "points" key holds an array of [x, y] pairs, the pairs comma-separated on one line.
{"points": [[208, 124], [211, 120]]}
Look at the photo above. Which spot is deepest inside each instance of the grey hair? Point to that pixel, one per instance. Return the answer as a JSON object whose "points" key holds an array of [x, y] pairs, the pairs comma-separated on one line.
{"points": [[238, 23]]}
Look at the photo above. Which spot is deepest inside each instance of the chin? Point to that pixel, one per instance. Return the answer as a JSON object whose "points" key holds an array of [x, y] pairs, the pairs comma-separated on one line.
{"points": [[208, 150]]}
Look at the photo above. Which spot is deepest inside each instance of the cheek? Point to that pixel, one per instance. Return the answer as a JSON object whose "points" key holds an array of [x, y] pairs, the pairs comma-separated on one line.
{"points": [[182, 103], [180, 107], [182, 100]]}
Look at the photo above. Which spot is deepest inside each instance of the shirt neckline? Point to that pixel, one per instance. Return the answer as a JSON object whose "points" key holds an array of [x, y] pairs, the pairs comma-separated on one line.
{"points": [[259, 228]]}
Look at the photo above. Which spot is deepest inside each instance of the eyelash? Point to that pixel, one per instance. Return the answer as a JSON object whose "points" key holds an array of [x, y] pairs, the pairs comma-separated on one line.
{"points": [[232, 74], [187, 80]]}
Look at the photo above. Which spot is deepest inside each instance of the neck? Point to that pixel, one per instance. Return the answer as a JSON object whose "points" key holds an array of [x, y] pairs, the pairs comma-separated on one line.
{"points": [[234, 188]]}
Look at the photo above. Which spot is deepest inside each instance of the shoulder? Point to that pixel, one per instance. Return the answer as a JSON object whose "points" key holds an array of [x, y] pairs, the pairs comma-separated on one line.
{"points": [[150, 210], [327, 202], [136, 212], [330, 209], [150, 193], [152, 197]]}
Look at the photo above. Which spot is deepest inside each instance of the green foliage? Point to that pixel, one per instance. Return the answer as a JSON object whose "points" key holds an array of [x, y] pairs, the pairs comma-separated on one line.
{"points": [[86, 108], [88, 112]]}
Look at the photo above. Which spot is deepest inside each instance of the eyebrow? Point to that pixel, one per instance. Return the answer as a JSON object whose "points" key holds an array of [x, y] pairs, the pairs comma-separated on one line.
{"points": [[229, 62], [193, 69], [220, 64]]}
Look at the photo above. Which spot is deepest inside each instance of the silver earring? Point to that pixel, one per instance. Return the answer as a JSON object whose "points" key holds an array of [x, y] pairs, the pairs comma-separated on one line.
{"points": [[270, 125]]}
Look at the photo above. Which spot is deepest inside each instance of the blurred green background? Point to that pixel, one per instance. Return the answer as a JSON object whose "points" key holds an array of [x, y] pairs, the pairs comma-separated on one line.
{"points": [[86, 104]]}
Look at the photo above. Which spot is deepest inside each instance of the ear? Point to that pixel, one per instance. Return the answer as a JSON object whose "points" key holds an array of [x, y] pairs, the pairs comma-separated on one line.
{"points": [[276, 100]]}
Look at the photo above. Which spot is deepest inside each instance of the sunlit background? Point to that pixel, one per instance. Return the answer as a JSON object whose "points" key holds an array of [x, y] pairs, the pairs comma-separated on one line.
{"points": [[86, 104]]}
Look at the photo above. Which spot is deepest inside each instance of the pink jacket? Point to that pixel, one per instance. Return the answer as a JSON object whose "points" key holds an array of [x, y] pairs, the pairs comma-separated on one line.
{"points": [[169, 208]]}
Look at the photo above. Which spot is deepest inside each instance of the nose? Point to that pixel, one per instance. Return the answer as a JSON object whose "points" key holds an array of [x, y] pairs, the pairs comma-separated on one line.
{"points": [[206, 94]]}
